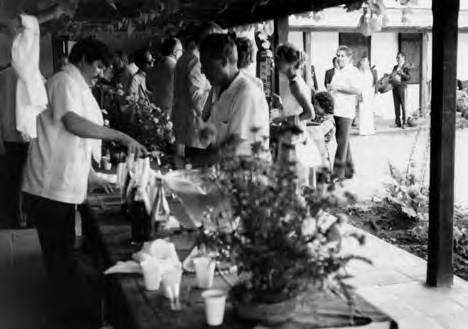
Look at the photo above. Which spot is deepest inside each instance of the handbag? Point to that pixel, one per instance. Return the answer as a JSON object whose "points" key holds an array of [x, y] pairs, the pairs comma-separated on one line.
{"points": [[385, 83]]}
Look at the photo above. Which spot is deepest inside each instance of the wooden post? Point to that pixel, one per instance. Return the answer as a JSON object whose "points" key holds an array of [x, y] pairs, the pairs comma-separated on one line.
{"points": [[444, 85], [423, 93], [307, 44], [280, 36]]}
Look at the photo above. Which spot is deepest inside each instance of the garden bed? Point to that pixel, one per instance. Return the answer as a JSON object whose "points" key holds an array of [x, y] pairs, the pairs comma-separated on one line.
{"points": [[377, 218]]}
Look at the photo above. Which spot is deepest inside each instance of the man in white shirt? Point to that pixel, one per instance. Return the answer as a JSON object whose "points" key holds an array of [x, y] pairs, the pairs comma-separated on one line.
{"points": [[239, 108], [344, 87], [58, 167]]}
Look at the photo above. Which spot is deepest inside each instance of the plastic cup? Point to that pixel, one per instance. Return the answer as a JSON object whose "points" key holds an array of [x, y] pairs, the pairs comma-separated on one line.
{"points": [[151, 274], [204, 271], [215, 304]]}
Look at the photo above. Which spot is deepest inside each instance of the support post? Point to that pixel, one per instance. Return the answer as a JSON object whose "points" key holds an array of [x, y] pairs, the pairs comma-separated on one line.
{"points": [[424, 92], [280, 36], [307, 44], [443, 111]]}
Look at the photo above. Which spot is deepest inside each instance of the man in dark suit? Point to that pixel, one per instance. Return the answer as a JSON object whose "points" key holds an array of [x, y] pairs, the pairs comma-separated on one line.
{"points": [[400, 78], [330, 73]]}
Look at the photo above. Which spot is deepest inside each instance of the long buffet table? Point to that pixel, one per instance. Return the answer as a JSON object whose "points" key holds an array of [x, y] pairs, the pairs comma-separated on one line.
{"points": [[129, 306]]}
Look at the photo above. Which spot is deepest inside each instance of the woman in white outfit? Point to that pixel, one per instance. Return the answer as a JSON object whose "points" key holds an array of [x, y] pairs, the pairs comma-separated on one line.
{"points": [[366, 102], [298, 107]]}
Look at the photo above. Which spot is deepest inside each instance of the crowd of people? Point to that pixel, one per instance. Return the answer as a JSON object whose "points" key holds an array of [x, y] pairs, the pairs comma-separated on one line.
{"points": [[204, 80]]}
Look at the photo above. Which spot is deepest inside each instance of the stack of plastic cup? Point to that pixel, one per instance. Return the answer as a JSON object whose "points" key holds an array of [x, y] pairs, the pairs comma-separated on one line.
{"points": [[215, 304], [151, 274], [204, 271]]}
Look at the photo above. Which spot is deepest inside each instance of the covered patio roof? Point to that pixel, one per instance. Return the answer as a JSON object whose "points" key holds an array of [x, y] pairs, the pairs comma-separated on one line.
{"points": [[226, 13]]}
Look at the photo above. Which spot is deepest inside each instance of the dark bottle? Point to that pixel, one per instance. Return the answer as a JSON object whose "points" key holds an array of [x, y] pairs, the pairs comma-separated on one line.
{"points": [[125, 198], [141, 223]]}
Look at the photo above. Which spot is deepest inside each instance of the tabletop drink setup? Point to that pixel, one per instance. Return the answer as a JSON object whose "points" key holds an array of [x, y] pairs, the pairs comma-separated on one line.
{"points": [[281, 242]]}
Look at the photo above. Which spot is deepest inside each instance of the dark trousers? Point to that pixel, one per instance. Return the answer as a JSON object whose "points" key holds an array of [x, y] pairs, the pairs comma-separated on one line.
{"points": [[399, 102], [70, 293], [343, 166], [17, 154]]}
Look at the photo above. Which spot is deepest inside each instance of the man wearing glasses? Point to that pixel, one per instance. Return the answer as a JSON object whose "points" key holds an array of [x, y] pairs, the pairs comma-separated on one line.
{"points": [[161, 76], [138, 90]]}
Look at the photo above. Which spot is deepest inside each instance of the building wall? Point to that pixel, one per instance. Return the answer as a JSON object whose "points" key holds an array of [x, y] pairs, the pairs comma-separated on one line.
{"points": [[384, 47], [324, 45]]}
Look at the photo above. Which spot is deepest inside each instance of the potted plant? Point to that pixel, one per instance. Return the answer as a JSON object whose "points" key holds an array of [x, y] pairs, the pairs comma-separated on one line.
{"points": [[282, 239]]}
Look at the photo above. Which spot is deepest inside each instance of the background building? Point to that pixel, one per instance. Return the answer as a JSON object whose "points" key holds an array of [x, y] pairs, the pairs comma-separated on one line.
{"points": [[406, 30]]}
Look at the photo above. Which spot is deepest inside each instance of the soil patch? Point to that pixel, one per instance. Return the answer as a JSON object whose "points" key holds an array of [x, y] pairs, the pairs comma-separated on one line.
{"points": [[380, 220]]}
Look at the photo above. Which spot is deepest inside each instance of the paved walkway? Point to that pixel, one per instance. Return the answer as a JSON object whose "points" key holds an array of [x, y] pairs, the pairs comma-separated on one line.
{"points": [[395, 284], [373, 153]]}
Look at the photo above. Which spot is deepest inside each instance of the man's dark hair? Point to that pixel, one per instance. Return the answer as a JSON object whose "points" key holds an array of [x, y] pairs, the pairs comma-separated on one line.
{"points": [[402, 54], [90, 50], [120, 55], [194, 33], [219, 46], [139, 57], [245, 52], [168, 46]]}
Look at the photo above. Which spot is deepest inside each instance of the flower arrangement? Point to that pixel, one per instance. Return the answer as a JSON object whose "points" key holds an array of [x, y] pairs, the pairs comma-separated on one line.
{"points": [[280, 237], [140, 119], [150, 126]]}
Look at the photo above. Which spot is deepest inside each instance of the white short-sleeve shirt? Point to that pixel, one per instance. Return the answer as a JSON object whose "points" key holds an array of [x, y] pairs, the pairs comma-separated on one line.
{"points": [[345, 104], [58, 161], [241, 107]]}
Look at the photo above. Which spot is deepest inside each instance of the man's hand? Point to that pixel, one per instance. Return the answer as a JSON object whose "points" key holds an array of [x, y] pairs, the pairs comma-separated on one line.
{"points": [[133, 147]]}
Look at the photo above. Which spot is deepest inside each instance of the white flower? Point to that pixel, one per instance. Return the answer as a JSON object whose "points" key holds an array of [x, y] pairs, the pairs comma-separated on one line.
{"points": [[309, 226]]}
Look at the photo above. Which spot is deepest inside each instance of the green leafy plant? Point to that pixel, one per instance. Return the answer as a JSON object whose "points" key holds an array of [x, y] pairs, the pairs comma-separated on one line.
{"points": [[407, 194], [281, 237]]}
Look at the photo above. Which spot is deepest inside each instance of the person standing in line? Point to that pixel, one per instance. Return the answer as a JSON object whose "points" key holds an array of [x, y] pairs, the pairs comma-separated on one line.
{"points": [[17, 127], [240, 104], [330, 73], [122, 76], [191, 89], [297, 106], [161, 76], [138, 90], [245, 59], [366, 101], [58, 169], [344, 87], [400, 77]]}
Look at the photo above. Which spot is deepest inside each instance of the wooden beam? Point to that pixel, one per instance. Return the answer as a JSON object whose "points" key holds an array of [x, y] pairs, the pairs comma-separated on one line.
{"points": [[444, 85]]}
